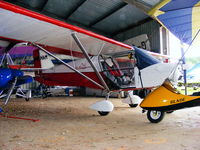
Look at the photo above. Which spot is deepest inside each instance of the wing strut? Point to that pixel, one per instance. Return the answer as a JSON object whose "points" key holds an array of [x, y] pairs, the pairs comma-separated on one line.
{"points": [[75, 70], [1, 64], [78, 42], [10, 91]]}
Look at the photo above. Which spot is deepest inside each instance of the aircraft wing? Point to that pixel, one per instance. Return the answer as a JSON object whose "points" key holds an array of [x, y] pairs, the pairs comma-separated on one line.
{"points": [[20, 25], [181, 17]]}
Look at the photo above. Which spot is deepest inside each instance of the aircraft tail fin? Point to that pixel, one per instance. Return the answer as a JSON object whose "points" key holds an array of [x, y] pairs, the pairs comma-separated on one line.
{"points": [[45, 60]]}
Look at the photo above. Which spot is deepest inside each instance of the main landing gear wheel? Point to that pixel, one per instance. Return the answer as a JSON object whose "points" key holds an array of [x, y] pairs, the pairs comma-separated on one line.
{"points": [[133, 105], [155, 116], [103, 113], [169, 112]]}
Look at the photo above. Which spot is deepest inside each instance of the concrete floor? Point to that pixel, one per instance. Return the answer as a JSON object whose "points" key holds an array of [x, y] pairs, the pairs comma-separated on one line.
{"points": [[66, 123]]}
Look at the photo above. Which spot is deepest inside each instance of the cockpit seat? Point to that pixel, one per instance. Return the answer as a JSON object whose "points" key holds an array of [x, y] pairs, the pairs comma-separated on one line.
{"points": [[114, 73]]}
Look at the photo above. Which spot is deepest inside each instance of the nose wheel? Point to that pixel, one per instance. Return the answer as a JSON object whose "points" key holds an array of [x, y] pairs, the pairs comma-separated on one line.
{"points": [[155, 116]]}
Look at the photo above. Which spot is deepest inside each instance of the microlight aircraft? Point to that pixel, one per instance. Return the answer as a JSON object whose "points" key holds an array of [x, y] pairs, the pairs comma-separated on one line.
{"points": [[94, 61], [126, 70]]}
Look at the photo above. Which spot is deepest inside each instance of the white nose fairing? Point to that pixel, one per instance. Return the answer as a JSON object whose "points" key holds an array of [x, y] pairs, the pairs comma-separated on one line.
{"points": [[155, 75]]}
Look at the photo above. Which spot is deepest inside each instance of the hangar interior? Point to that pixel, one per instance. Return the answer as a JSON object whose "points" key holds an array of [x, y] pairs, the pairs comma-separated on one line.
{"points": [[68, 123]]}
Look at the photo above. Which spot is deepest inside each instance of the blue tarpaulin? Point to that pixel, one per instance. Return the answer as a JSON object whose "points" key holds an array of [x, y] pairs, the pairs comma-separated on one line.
{"points": [[181, 17]]}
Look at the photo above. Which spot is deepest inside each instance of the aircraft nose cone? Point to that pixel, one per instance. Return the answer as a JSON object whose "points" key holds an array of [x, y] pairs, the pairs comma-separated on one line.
{"points": [[17, 73], [5, 76]]}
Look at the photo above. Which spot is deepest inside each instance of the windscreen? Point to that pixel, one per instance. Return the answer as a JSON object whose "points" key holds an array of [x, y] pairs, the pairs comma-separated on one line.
{"points": [[144, 59]]}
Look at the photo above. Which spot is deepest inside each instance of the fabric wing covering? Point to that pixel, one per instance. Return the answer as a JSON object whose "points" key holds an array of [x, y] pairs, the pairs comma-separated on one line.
{"points": [[181, 17], [24, 28]]}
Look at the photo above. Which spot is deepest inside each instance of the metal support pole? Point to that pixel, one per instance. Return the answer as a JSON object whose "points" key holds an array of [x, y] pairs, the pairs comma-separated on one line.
{"points": [[9, 59], [183, 58], [101, 49], [2, 95], [68, 65], [4, 55], [89, 60], [184, 70]]}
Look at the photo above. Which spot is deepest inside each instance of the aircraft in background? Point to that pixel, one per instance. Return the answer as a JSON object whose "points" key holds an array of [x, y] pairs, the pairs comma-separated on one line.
{"points": [[11, 79], [97, 61]]}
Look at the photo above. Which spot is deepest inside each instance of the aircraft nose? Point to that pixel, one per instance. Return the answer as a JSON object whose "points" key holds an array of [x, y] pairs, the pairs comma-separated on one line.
{"points": [[5, 76], [17, 73]]}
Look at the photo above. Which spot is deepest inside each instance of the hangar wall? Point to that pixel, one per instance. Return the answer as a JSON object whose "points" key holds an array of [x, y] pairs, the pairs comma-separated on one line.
{"points": [[151, 28]]}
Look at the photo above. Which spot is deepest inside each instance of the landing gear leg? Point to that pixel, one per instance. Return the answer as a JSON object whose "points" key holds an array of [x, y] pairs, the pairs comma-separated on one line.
{"points": [[26, 95], [132, 100]]}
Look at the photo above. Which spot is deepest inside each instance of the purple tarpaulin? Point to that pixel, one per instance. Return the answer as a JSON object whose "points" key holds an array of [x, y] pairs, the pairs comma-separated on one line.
{"points": [[1, 50], [20, 51]]}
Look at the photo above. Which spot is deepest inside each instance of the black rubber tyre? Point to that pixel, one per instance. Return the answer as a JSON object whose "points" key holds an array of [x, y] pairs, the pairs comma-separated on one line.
{"points": [[44, 95], [17, 96], [155, 116], [103, 113], [169, 112], [27, 99], [133, 105]]}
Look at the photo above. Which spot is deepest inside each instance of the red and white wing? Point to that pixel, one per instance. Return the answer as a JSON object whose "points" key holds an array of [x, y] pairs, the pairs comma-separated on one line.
{"points": [[24, 25]]}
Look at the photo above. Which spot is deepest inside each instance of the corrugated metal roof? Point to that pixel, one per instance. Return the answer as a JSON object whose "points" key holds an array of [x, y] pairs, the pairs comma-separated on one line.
{"points": [[61, 8], [93, 10], [123, 18]]}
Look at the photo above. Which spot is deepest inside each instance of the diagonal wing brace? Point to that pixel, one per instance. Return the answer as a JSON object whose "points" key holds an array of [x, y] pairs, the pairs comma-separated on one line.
{"points": [[75, 70], [10, 91], [89, 60]]}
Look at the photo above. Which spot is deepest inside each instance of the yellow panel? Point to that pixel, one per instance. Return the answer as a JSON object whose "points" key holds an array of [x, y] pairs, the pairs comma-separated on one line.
{"points": [[196, 23], [162, 97], [155, 11]]}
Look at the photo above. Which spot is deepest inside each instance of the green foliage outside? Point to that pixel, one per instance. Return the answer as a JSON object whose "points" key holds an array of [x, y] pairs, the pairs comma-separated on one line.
{"points": [[190, 90], [193, 60], [191, 87]]}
